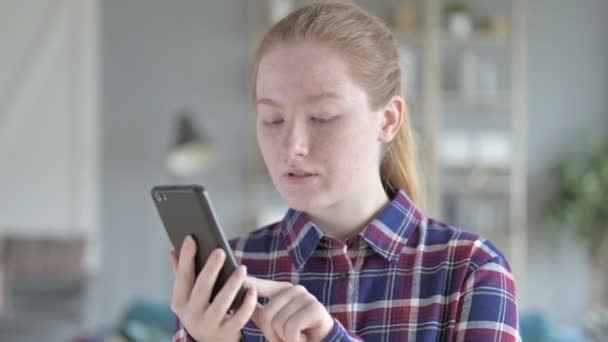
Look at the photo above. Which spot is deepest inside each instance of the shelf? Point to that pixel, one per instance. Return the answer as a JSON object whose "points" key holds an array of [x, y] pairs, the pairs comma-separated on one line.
{"points": [[476, 188], [481, 214], [476, 40], [454, 100], [466, 181]]}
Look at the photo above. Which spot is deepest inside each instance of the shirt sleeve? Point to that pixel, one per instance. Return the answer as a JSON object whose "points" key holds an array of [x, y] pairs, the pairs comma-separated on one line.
{"points": [[488, 308], [181, 335], [339, 333]]}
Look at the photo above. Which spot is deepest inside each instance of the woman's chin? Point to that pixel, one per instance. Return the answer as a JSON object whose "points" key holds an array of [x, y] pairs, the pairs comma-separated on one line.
{"points": [[299, 203], [307, 201]]}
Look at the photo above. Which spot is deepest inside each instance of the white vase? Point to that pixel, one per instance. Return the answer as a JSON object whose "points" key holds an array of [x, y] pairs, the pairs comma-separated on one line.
{"points": [[460, 24]]}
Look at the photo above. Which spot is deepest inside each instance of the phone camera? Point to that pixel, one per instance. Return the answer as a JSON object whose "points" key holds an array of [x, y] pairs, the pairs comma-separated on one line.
{"points": [[158, 197]]}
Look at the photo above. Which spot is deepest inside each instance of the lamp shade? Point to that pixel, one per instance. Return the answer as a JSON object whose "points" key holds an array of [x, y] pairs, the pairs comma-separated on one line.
{"points": [[191, 154]]}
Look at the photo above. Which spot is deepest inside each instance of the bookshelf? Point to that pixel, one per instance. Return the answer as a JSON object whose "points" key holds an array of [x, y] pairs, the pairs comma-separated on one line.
{"points": [[468, 109]]}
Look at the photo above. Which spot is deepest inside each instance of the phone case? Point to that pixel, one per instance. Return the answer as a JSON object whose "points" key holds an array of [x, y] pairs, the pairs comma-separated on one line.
{"points": [[186, 210]]}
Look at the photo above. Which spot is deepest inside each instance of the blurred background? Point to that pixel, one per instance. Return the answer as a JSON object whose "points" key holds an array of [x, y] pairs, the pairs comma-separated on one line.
{"points": [[102, 99]]}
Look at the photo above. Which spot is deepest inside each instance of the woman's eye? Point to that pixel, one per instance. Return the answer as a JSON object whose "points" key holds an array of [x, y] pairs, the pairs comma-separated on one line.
{"points": [[320, 119], [274, 122]]}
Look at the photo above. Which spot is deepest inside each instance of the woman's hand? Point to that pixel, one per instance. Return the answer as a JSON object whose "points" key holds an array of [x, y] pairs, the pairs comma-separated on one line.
{"points": [[292, 313], [190, 301]]}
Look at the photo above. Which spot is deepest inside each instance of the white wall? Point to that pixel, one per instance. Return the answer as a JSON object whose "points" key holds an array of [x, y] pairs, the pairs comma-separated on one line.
{"points": [[567, 84], [49, 124], [157, 58]]}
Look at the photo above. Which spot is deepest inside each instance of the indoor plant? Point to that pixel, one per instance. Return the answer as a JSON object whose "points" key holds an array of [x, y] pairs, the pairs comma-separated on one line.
{"points": [[581, 207]]}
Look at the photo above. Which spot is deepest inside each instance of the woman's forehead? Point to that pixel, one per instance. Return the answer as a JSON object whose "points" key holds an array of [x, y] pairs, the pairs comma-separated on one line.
{"points": [[302, 59], [312, 99], [298, 71]]}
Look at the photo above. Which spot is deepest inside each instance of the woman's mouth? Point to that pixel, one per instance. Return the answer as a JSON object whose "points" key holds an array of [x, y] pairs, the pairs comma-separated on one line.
{"points": [[300, 177]]}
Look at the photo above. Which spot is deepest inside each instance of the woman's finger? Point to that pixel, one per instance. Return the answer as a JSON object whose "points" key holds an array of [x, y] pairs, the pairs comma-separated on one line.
{"points": [[173, 255], [201, 292], [298, 322], [312, 318], [243, 314], [223, 300], [277, 303], [267, 330], [268, 288], [184, 278], [296, 304]]}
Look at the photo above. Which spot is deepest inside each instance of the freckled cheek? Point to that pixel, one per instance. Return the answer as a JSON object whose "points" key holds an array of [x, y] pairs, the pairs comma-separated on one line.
{"points": [[359, 155], [339, 154]]}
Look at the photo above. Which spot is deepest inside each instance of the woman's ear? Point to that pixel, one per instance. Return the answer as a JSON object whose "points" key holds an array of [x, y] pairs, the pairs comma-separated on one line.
{"points": [[392, 118]]}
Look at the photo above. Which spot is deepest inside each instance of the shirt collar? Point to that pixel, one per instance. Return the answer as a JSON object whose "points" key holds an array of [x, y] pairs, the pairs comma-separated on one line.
{"points": [[387, 234], [300, 236]]}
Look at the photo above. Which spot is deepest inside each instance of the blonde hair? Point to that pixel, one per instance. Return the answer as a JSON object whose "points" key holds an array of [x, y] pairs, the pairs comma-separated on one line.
{"points": [[371, 54]]}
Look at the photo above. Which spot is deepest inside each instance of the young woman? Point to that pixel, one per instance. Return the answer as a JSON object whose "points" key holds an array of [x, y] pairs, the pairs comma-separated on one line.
{"points": [[353, 258]]}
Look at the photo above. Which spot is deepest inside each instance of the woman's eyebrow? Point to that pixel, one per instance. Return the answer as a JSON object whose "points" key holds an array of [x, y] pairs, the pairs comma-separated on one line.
{"points": [[322, 96], [309, 99], [269, 102]]}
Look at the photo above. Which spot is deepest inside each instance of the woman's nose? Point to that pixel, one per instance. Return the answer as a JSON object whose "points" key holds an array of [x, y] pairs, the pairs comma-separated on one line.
{"points": [[296, 140]]}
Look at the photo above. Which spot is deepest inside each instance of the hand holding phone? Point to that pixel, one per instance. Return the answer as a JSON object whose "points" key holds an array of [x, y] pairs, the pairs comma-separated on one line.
{"points": [[207, 281]]}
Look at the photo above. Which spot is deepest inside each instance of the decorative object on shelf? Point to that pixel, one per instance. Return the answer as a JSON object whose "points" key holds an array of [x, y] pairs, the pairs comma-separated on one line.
{"points": [[484, 149], [580, 208], [495, 25], [456, 150], [459, 18], [192, 153], [494, 150], [404, 17]]}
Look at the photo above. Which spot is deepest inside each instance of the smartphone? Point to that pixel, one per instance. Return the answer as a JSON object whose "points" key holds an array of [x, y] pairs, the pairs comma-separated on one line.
{"points": [[186, 210]]}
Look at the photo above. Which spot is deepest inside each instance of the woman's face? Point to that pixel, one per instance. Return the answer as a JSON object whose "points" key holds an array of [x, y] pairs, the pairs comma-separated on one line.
{"points": [[318, 136]]}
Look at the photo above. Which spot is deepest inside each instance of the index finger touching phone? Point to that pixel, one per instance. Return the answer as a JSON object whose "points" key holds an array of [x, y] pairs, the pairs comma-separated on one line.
{"points": [[267, 288]]}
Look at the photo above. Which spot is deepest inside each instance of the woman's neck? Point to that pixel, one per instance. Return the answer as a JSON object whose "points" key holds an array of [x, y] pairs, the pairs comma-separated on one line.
{"points": [[347, 218]]}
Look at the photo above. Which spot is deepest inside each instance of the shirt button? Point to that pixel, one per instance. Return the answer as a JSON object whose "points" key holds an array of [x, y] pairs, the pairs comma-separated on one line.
{"points": [[344, 275]]}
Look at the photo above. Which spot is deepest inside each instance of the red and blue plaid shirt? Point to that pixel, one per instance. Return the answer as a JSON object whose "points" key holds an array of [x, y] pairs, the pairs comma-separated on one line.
{"points": [[405, 277]]}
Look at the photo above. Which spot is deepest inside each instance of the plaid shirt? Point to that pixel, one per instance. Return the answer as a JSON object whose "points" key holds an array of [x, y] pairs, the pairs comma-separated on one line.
{"points": [[405, 277]]}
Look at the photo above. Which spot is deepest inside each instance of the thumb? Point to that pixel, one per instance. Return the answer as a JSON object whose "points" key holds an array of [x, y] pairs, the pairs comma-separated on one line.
{"points": [[267, 288]]}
